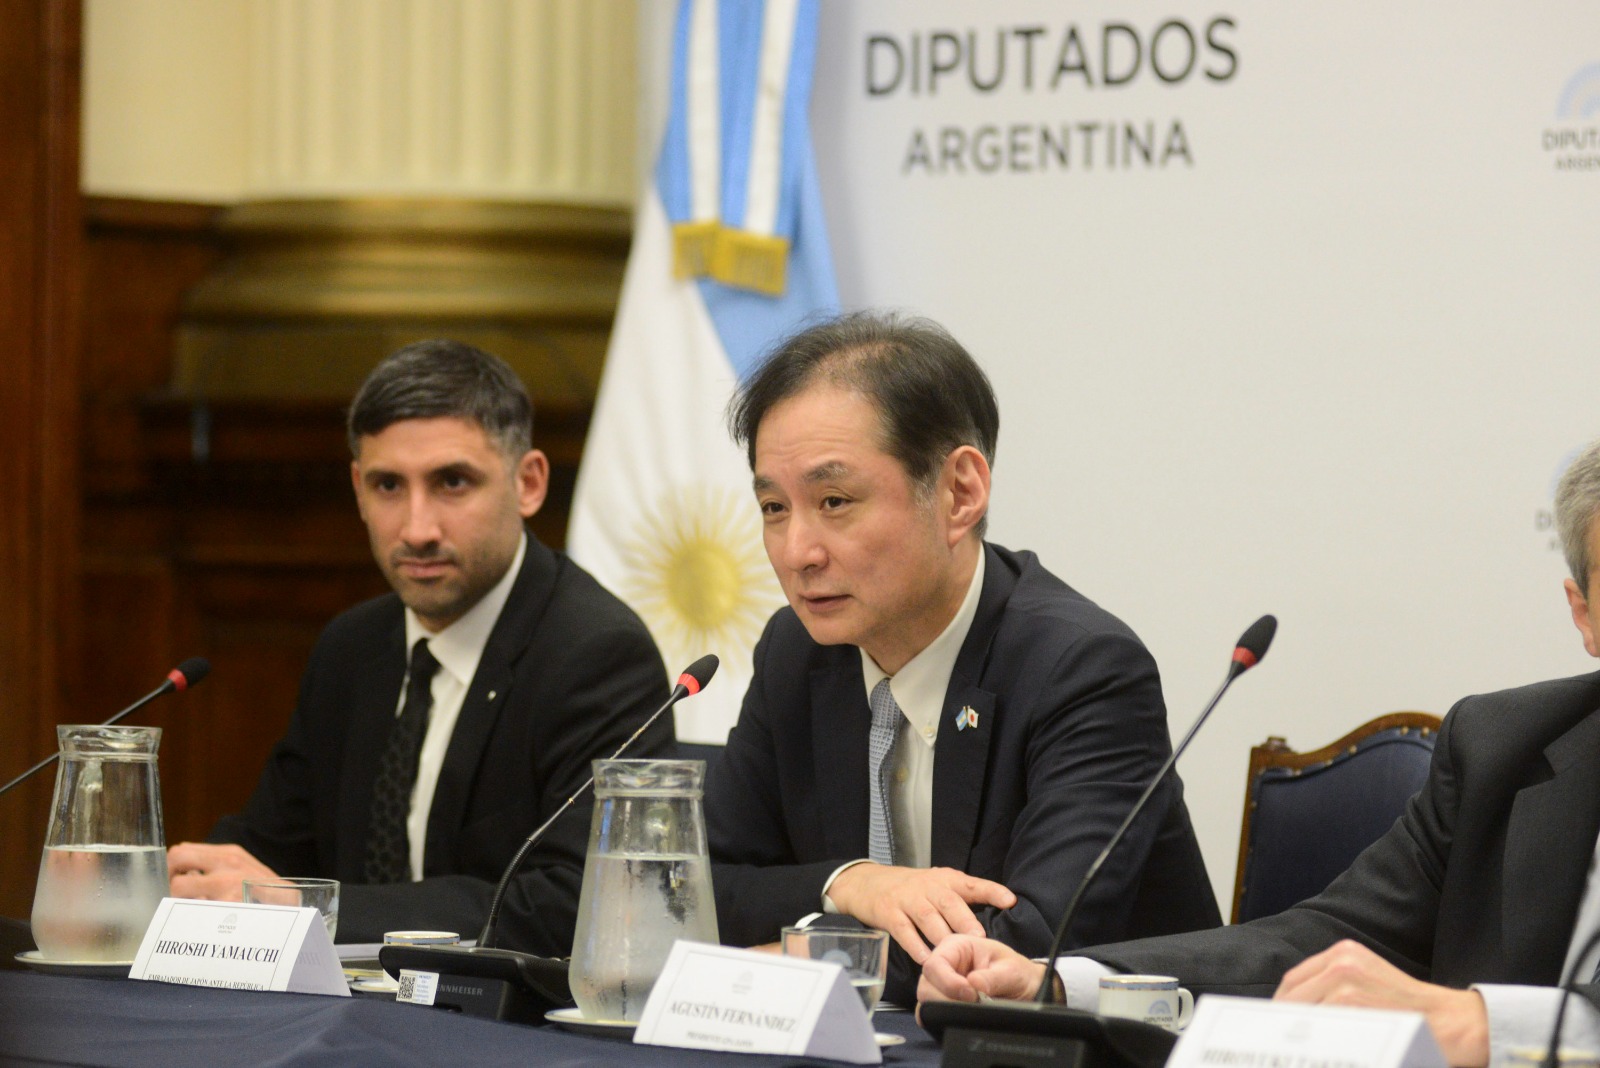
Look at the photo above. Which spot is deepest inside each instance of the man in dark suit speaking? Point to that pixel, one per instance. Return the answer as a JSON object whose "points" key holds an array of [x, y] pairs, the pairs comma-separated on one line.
{"points": [[438, 725], [1478, 901], [940, 734]]}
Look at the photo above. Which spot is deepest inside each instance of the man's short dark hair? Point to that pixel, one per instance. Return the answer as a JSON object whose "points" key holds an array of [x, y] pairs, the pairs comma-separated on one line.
{"points": [[930, 394], [440, 379]]}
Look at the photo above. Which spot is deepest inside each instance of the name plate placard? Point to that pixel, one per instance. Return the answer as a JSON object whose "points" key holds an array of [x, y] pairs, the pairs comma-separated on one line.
{"points": [[1229, 1032], [713, 997], [240, 947]]}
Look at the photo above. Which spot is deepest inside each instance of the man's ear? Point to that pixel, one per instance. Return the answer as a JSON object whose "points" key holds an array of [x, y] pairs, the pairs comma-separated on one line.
{"points": [[533, 482], [1582, 618], [965, 485], [355, 485]]}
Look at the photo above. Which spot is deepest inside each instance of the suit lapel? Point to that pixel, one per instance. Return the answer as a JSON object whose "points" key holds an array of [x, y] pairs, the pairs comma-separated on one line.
{"points": [[960, 756], [375, 696], [1550, 841], [959, 759], [486, 695], [841, 721]]}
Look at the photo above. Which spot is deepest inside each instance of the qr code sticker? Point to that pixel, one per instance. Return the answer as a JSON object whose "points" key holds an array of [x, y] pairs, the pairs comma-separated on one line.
{"points": [[417, 988]]}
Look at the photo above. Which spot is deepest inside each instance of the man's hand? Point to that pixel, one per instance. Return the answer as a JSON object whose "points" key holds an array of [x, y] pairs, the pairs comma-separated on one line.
{"points": [[212, 872], [963, 968], [1351, 974], [919, 907]]}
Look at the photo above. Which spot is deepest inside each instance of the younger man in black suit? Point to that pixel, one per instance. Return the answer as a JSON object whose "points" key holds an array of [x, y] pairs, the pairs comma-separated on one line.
{"points": [[1476, 903], [940, 734], [438, 725]]}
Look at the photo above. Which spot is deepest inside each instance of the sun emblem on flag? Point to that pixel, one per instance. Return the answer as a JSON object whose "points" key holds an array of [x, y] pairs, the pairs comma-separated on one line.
{"points": [[698, 574]]}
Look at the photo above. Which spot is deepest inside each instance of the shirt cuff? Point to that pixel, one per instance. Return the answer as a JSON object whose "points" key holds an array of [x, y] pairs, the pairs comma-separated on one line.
{"points": [[1520, 1018], [827, 902], [1080, 978]]}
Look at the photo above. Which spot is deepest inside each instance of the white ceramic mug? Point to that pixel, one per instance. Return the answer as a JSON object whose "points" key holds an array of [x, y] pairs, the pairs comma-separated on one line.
{"points": [[1155, 999], [421, 938]]}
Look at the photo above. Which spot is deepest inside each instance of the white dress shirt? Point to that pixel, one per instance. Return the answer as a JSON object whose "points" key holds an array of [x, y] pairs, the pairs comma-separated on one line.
{"points": [[919, 689], [457, 648]]}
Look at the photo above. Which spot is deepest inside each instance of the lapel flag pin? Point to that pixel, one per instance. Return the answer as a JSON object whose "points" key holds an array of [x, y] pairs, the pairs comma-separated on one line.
{"points": [[966, 717]]}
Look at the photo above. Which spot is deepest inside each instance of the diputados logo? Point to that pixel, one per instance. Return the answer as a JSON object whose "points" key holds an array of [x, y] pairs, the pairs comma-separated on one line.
{"points": [[1082, 65], [1573, 143]]}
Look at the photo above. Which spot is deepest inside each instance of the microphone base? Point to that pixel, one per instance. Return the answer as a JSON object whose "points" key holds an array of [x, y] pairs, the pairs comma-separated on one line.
{"points": [[989, 1049], [1004, 1033], [491, 983]]}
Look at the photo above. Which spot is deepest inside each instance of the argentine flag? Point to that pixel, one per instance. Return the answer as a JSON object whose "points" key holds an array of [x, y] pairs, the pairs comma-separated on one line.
{"points": [[729, 255]]}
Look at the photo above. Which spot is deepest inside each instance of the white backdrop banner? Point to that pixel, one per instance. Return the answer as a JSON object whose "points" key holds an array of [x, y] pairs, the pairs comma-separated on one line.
{"points": [[1289, 307]]}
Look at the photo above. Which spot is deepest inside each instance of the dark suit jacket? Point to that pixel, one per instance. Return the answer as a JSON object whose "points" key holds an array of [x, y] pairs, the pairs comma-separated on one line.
{"points": [[1478, 882], [567, 674], [1071, 728]]}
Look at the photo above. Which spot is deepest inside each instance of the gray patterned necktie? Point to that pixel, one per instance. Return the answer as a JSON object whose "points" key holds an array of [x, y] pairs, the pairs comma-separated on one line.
{"points": [[880, 746], [388, 858]]}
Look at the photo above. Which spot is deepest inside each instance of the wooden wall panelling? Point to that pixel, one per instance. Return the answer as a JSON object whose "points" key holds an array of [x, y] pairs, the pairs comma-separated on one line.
{"points": [[140, 258], [40, 219]]}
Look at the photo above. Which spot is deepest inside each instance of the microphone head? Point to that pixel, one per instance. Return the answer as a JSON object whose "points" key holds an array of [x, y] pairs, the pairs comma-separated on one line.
{"points": [[191, 672], [1253, 643], [697, 674]]}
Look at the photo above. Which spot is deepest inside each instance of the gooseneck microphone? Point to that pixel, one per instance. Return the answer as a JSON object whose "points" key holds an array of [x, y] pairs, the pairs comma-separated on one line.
{"points": [[1047, 1032], [189, 673], [506, 984], [1247, 653]]}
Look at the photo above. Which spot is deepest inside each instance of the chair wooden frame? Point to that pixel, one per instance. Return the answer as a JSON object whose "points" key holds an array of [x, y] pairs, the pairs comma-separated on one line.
{"points": [[1275, 753]]}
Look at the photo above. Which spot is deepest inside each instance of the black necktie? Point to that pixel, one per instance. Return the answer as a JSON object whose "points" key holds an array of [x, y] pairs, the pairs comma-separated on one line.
{"points": [[388, 844]]}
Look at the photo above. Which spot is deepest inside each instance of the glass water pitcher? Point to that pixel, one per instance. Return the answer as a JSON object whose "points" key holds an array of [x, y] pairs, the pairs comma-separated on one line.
{"points": [[105, 855], [646, 882]]}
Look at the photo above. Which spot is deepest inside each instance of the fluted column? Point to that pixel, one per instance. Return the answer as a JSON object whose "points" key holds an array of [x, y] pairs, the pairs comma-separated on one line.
{"points": [[394, 169], [230, 100], [500, 99]]}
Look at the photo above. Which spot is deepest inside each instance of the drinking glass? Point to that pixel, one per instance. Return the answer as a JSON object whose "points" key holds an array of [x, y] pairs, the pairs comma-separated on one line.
{"points": [[863, 954], [319, 894]]}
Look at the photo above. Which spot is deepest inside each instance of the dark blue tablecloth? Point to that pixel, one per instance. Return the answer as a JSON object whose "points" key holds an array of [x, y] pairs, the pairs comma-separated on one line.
{"points": [[54, 1020]]}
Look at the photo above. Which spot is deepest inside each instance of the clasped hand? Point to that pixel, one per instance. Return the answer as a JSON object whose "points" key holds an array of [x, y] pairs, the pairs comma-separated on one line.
{"points": [[919, 907], [1348, 973]]}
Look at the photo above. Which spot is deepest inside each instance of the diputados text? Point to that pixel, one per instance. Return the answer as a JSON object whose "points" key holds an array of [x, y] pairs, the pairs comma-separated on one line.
{"points": [[1049, 59], [971, 85]]}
